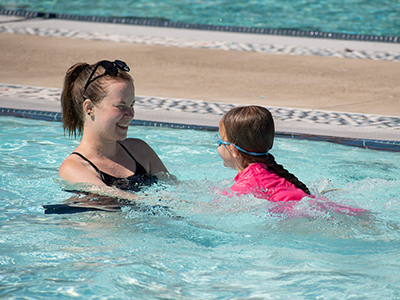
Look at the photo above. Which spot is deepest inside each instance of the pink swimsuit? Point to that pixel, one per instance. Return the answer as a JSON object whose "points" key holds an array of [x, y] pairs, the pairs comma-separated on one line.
{"points": [[265, 184]]}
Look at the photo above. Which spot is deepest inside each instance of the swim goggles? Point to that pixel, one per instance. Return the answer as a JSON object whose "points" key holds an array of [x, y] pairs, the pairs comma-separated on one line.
{"points": [[219, 141], [111, 68]]}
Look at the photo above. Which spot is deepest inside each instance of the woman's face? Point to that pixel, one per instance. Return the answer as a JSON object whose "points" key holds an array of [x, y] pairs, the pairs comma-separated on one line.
{"points": [[114, 113], [225, 151]]}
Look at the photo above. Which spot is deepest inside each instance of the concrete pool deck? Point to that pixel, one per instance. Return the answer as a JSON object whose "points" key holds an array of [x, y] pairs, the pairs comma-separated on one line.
{"points": [[327, 87]]}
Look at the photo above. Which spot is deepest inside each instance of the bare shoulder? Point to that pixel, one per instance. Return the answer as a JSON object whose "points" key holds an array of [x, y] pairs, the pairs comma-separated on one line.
{"points": [[133, 142], [137, 146], [145, 155], [75, 169]]}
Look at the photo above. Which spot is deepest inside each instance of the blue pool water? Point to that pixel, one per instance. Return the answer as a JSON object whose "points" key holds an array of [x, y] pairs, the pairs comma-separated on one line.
{"points": [[372, 17], [219, 248]]}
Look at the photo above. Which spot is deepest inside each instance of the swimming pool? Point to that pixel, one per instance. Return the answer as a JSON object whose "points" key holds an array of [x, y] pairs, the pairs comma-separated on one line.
{"points": [[375, 17], [218, 247]]}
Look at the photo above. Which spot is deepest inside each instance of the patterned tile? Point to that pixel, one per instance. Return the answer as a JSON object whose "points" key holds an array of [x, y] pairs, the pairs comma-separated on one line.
{"points": [[204, 44], [392, 146], [184, 105], [30, 92], [215, 108]]}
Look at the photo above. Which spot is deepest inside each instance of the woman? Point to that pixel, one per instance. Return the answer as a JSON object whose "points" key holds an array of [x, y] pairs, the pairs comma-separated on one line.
{"points": [[98, 103]]}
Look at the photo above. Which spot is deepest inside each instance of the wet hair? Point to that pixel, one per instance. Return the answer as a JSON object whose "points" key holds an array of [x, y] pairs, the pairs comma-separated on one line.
{"points": [[73, 96], [252, 129]]}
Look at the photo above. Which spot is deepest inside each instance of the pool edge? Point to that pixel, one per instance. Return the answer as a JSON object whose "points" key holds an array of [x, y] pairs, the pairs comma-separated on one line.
{"points": [[159, 22], [372, 144]]}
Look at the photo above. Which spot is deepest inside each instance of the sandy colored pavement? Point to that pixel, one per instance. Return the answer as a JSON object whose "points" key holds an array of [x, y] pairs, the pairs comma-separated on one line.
{"points": [[337, 84]]}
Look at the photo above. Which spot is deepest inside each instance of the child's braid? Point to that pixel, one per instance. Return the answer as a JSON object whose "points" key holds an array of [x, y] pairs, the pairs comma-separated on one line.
{"points": [[272, 165]]}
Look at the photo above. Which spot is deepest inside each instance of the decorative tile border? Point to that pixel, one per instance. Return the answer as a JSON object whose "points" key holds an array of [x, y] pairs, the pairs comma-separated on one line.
{"points": [[215, 108], [202, 107], [204, 44], [391, 146], [31, 114], [30, 92]]}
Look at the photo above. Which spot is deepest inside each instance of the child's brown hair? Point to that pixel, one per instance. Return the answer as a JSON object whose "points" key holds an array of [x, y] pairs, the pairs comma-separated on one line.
{"points": [[252, 129]]}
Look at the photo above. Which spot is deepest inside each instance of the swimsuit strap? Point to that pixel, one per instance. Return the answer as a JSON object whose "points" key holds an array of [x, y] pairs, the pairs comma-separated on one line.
{"points": [[92, 164], [126, 150], [139, 168], [133, 183]]}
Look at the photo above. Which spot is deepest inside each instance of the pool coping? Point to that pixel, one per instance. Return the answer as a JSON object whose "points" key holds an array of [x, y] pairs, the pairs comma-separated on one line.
{"points": [[273, 43], [362, 130], [209, 122]]}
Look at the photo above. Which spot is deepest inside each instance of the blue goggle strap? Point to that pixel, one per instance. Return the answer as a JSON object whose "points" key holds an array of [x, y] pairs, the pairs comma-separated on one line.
{"points": [[219, 140]]}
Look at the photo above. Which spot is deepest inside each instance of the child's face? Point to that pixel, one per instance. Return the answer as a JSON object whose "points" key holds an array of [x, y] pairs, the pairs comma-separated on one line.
{"points": [[225, 151]]}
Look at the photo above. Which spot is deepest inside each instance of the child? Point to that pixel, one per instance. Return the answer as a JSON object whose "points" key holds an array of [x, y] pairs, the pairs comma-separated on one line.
{"points": [[246, 135]]}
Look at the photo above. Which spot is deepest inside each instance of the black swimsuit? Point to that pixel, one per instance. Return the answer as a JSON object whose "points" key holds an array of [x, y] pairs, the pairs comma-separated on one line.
{"points": [[132, 183]]}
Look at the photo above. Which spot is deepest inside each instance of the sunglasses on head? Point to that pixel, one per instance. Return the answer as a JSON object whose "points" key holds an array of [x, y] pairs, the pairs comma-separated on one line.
{"points": [[219, 141], [111, 68]]}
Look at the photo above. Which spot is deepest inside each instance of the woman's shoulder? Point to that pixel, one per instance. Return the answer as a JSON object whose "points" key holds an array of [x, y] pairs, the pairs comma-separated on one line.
{"points": [[72, 161], [132, 142], [137, 147], [76, 169], [145, 155]]}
